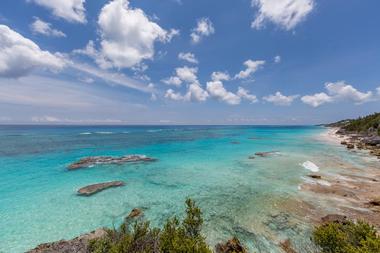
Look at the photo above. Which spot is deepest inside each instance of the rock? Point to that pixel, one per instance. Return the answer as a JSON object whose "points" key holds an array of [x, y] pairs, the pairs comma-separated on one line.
{"points": [[315, 176], [265, 154], [235, 142], [335, 218], [91, 161], [287, 246], [231, 246], [375, 202], [251, 157], [136, 212], [76, 245], [350, 146], [343, 142], [95, 188], [372, 141]]}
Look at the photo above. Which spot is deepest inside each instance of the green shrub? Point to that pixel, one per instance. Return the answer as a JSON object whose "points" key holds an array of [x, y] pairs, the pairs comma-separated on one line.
{"points": [[175, 236], [347, 237]]}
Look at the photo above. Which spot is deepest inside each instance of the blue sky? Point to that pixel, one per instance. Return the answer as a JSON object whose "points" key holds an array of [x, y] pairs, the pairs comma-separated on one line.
{"points": [[188, 62]]}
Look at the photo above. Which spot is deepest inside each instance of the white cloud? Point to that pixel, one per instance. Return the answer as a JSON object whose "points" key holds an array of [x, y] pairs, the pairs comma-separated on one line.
{"points": [[338, 91], [44, 28], [217, 90], [195, 93], [190, 57], [187, 74], [170, 94], [204, 28], [317, 99], [19, 55], [277, 59], [378, 91], [127, 36], [220, 76], [280, 99], [70, 10], [341, 90], [252, 67], [284, 13], [173, 80], [243, 93]]}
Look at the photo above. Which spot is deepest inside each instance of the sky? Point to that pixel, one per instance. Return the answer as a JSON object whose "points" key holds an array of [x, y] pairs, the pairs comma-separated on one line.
{"points": [[255, 62]]}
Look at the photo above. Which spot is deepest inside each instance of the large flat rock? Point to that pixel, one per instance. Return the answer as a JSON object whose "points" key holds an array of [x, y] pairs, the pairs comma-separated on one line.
{"points": [[95, 188], [97, 160]]}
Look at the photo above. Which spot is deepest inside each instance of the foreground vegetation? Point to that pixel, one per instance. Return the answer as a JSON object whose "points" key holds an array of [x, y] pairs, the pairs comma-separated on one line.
{"points": [[347, 237], [367, 124], [185, 236], [175, 236]]}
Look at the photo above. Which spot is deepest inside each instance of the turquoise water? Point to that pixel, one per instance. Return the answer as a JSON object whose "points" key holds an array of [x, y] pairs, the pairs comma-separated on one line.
{"points": [[239, 196]]}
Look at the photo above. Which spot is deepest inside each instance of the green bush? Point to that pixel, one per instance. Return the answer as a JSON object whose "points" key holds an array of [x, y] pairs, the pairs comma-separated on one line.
{"points": [[175, 236], [347, 237]]}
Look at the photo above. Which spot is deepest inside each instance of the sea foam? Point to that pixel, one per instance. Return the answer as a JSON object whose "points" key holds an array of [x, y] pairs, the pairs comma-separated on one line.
{"points": [[310, 166]]}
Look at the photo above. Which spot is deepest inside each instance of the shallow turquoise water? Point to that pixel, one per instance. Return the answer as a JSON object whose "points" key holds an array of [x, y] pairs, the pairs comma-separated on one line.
{"points": [[239, 196]]}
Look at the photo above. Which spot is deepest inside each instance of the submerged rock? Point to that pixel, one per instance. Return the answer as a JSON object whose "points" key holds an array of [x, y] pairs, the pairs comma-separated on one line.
{"points": [[315, 176], [231, 246], [287, 246], [78, 245], [136, 212], [91, 161], [350, 146], [95, 188], [265, 154]]}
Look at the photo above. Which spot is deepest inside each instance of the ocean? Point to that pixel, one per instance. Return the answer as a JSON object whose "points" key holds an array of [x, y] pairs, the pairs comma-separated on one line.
{"points": [[247, 198]]}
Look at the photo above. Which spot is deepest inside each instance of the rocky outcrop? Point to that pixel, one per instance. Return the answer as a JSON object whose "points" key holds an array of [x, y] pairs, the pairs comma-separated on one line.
{"points": [[315, 176], [95, 188], [96, 160], [334, 218], [231, 246], [76, 245]]}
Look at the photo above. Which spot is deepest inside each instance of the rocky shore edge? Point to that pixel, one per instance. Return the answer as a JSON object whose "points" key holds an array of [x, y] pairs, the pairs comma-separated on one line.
{"points": [[360, 141]]}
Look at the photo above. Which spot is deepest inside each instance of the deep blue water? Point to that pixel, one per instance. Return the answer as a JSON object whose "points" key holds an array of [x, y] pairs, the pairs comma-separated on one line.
{"points": [[38, 201]]}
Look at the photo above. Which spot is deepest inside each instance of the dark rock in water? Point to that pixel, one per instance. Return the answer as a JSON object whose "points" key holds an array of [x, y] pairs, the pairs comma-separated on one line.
{"points": [[231, 246], [315, 176], [251, 157], [287, 246], [335, 218], [91, 161], [135, 213], [95, 188], [343, 142], [235, 142], [350, 146], [77, 245], [265, 154]]}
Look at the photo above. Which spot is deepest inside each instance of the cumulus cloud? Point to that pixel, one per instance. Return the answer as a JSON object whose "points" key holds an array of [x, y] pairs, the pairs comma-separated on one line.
{"points": [[277, 59], [338, 91], [194, 93], [217, 90], [70, 10], [183, 74], [251, 67], [284, 13], [170, 94], [128, 36], [204, 28], [280, 99], [19, 55], [220, 76], [173, 80], [243, 93], [189, 57], [317, 99], [41, 27]]}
